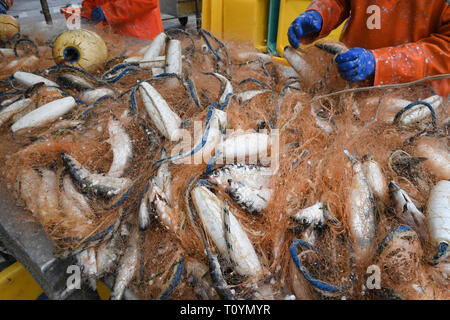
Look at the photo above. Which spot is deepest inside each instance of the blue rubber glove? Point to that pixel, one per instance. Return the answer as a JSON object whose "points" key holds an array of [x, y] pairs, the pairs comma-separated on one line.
{"points": [[356, 64], [97, 15], [2, 9], [307, 23]]}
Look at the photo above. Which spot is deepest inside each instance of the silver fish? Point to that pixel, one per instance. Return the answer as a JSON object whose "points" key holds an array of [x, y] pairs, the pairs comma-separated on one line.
{"points": [[406, 210], [251, 200], [361, 216], [127, 266], [74, 81], [254, 176], [96, 184]]}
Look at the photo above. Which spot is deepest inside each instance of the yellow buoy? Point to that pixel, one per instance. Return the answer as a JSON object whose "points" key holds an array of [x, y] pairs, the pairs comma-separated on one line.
{"points": [[8, 27], [80, 48]]}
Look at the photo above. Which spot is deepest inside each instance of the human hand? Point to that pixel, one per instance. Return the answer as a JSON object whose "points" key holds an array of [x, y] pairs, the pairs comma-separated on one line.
{"points": [[97, 15], [307, 23], [356, 64]]}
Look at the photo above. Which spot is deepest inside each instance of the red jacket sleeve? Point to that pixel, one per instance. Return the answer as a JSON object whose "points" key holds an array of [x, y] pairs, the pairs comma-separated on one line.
{"points": [[8, 3], [333, 13], [416, 60], [120, 11], [87, 6]]}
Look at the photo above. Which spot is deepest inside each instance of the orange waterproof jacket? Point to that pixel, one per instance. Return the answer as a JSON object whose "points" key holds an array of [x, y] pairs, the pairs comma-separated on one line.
{"points": [[413, 41], [8, 3], [136, 18]]}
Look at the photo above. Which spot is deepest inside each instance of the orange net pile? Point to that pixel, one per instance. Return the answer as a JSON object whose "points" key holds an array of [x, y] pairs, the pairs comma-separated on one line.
{"points": [[312, 168]]}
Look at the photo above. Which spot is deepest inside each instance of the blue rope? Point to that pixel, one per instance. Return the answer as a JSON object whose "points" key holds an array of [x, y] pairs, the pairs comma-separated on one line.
{"points": [[225, 103], [82, 102], [212, 161], [10, 81], [260, 83], [196, 148], [103, 98], [193, 95], [120, 76], [133, 100], [120, 66], [175, 281], [388, 238], [320, 285], [202, 32], [62, 66], [9, 93], [433, 113], [440, 255]]}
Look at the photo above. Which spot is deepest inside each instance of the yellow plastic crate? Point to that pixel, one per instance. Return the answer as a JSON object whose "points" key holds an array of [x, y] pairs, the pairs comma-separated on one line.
{"points": [[238, 20], [16, 283], [289, 10]]}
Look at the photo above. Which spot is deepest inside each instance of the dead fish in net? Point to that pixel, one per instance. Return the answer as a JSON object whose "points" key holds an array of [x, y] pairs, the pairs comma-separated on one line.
{"points": [[75, 205], [87, 261], [107, 255], [438, 219], [321, 117], [197, 277], [312, 218], [29, 79], [28, 180], [332, 47], [74, 81], [121, 146], [48, 195], [160, 198], [375, 176], [299, 64], [90, 96], [127, 265], [254, 176], [45, 114], [96, 184], [418, 113], [166, 121], [437, 157], [405, 165], [250, 94], [251, 200], [361, 214], [12, 109], [227, 88], [405, 209], [211, 211]]}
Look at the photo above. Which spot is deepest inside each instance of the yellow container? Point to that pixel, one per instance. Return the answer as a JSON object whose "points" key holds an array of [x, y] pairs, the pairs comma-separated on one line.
{"points": [[289, 10], [237, 20], [16, 283]]}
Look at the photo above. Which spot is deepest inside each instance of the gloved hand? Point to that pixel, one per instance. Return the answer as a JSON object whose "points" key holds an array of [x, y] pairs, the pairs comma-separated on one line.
{"points": [[97, 15], [356, 64], [307, 23], [2, 9]]}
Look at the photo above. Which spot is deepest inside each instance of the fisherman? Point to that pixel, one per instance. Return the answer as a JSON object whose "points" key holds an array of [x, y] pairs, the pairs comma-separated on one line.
{"points": [[137, 18], [5, 5], [391, 41]]}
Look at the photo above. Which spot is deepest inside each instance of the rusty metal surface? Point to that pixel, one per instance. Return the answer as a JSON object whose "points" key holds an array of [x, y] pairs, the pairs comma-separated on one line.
{"points": [[27, 242]]}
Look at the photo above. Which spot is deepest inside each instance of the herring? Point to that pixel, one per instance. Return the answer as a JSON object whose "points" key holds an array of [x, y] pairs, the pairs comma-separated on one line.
{"points": [[210, 209], [250, 199], [96, 184], [254, 176], [361, 214]]}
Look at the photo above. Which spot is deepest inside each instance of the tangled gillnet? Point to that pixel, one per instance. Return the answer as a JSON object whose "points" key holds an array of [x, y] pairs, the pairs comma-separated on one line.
{"points": [[312, 167]]}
